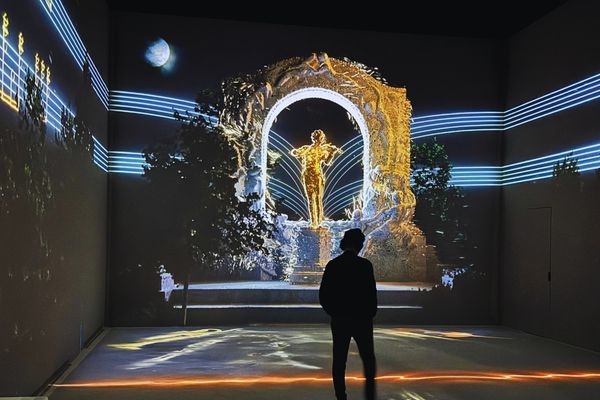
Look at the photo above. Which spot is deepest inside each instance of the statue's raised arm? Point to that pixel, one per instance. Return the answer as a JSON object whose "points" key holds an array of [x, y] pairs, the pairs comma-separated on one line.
{"points": [[300, 152], [331, 153]]}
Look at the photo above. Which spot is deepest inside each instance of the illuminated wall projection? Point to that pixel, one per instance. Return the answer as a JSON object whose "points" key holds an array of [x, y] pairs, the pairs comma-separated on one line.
{"points": [[52, 194], [422, 127], [59, 17], [386, 205], [438, 245], [14, 69], [379, 199], [312, 157], [12, 86], [8, 92]]}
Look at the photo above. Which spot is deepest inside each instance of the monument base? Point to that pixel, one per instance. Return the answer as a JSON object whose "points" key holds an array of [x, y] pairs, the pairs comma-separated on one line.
{"points": [[314, 251], [401, 255]]}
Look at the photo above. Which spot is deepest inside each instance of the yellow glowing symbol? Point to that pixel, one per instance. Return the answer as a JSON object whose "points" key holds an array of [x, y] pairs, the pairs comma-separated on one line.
{"points": [[5, 24], [48, 76], [49, 3], [43, 69], [312, 156], [166, 338], [21, 44], [37, 63]]}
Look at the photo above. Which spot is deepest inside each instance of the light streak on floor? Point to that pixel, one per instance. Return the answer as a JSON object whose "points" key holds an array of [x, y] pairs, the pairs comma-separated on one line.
{"points": [[293, 361]]}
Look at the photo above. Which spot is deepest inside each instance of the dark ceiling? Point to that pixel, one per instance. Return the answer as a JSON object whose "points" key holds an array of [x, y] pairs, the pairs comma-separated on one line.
{"points": [[484, 18]]}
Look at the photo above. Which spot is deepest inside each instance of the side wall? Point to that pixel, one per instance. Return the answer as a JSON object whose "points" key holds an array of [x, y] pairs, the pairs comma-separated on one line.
{"points": [[53, 224], [550, 230]]}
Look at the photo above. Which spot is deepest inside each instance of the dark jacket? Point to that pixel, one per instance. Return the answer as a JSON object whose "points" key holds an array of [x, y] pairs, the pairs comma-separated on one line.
{"points": [[348, 288]]}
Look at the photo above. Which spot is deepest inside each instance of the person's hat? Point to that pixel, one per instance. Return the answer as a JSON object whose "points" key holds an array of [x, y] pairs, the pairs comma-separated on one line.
{"points": [[353, 238]]}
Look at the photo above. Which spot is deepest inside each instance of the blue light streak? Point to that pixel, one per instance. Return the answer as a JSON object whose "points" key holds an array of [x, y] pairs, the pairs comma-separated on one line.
{"points": [[54, 106], [581, 92], [61, 21], [344, 194], [147, 104], [575, 94], [350, 148], [534, 169], [345, 168], [287, 163], [294, 201]]}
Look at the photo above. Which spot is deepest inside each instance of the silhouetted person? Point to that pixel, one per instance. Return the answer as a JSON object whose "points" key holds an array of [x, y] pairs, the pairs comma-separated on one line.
{"points": [[349, 295]]}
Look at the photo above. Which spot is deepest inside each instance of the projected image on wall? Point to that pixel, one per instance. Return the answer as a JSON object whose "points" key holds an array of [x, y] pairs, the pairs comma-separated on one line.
{"points": [[257, 187], [253, 184], [167, 169], [52, 194], [342, 171]]}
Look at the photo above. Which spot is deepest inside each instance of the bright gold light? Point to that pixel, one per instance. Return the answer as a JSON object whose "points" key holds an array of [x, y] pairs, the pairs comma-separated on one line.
{"points": [[166, 338], [5, 25], [417, 333], [21, 43], [312, 157], [7, 97]]}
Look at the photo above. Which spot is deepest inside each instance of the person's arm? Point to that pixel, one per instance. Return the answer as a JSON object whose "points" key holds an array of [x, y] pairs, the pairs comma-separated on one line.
{"points": [[372, 291], [299, 152], [325, 290], [332, 152]]}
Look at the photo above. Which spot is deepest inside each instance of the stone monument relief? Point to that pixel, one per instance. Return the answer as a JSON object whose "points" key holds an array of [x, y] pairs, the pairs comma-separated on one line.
{"points": [[385, 210]]}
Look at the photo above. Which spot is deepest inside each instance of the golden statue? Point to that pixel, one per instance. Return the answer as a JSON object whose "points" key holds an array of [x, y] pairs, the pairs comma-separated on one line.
{"points": [[311, 157]]}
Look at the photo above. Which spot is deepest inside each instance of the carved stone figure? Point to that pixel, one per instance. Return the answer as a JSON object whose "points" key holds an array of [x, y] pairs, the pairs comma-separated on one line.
{"points": [[395, 245], [312, 157]]}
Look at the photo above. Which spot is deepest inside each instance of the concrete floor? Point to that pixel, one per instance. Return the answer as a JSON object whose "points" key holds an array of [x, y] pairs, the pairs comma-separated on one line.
{"points": [[292, 362]]}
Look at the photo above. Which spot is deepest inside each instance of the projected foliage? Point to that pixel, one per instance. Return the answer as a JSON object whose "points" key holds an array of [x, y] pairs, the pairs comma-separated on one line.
{"points": [[44, 187], [192, 176], [569, 166], [441, 208]]}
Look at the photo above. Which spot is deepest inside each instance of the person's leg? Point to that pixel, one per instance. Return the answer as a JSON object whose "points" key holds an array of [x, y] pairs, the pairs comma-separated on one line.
{"points": [[363, 335], [312, 204], [308, 191], [341, 341]]}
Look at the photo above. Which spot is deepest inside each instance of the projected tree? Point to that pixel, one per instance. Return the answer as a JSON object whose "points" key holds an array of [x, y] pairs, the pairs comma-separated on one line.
{"points": [[440, 207], [568, 167], [441, 212], [74, 135], [24, 179], [26, 199], [192, 176]]}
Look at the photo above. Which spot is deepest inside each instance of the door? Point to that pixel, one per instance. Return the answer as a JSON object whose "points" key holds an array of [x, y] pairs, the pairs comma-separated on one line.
{"points": [[532, 270]]}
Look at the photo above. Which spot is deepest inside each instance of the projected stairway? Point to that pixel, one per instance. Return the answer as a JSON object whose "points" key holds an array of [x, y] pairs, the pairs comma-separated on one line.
{"points": [[280, 302]]}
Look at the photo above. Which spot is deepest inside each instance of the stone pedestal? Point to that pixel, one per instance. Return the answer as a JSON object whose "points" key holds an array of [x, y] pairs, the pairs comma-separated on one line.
{"points": [[314, 251], [398, 254]]}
